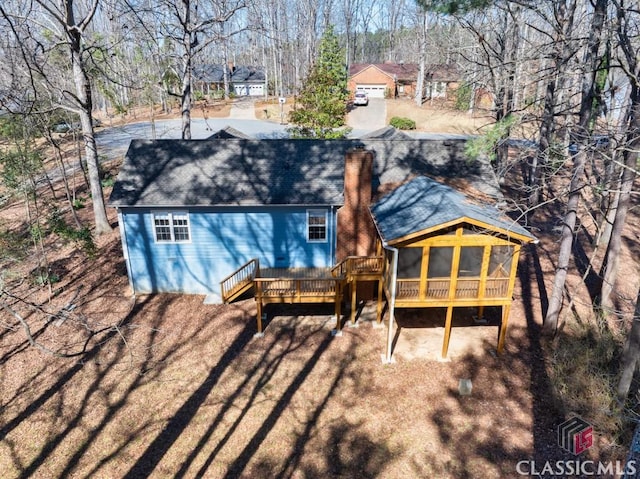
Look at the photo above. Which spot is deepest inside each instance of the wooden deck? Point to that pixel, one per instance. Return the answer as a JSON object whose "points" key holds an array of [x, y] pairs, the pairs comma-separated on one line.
{"points": [[302, 285], [298, 285]]}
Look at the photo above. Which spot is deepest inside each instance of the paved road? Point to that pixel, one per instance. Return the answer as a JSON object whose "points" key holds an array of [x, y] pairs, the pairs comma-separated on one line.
{"points": [[243, 109], [113, 142]]}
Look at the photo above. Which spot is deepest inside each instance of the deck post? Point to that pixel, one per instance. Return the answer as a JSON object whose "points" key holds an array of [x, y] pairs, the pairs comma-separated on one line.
{"points": [[259, 316], [338, 303], [447, 332], [506, 308], [379, 312], [354, 291]]}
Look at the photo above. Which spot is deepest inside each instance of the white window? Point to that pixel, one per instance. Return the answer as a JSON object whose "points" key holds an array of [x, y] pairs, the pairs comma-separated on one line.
{"points": [[171, 227], [316, 226]]}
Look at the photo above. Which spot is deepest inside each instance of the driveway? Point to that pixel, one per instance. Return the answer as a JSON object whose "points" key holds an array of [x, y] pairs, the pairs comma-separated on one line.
{"points": [[364, 119], [243, 108]]}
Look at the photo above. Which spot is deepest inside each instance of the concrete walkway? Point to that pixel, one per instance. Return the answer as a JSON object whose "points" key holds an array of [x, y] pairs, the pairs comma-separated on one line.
{"points": [[243, 109]]}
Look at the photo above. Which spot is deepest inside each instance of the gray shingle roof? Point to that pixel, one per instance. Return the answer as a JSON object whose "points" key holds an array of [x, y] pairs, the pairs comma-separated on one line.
{"points": [[423, 203], [386, 133], [228, 132], [215, 73], [279, 171]]}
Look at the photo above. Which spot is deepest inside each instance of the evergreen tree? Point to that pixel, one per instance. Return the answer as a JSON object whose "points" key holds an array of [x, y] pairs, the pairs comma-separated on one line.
{"points": [[323, 98]]}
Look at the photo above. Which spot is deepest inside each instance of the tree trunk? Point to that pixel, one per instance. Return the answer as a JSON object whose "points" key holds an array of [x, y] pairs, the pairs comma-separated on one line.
{"points": [[630, 355], [83, 93], [577, 177], [566, 243], [611, 264], [423, 59], [561, 53], [188, 42]]}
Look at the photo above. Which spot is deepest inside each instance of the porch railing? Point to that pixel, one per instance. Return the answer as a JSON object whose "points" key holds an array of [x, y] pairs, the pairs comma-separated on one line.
{"points": [[438, 288], [296, 288]]}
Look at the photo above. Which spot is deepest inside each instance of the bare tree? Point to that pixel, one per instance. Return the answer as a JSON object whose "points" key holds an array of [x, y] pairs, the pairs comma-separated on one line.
{"points": [[50, 29], [626, 29], [630, 355], [588, 94], [192, 25]]}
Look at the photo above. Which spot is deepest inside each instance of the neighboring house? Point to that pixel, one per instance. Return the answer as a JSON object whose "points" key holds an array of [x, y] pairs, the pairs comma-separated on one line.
{"points": [[248, 81], [383, 80], [218, 216], [392, 80], [441, 81], [243, 80]]}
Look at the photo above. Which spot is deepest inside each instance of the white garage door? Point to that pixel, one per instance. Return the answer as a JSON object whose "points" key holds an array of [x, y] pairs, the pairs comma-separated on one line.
{"points": [[374, 91]]}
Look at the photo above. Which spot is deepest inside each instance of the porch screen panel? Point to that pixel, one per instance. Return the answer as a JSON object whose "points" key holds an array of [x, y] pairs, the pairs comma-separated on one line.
{"points": [[470, 261], [497, 285], [440, 258], [409, 262], [500, 261], [439, 272]]}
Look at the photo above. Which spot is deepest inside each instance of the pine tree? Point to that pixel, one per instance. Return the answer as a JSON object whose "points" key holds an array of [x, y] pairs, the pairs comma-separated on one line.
{"points": [[323, 99]]}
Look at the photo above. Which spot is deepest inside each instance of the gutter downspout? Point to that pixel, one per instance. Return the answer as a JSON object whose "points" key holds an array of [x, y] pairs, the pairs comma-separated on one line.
{"points": [[388, 357]]}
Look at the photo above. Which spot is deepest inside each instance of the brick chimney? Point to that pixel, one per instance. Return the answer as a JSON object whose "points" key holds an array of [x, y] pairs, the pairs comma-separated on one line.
{"points": [[356, 231]]}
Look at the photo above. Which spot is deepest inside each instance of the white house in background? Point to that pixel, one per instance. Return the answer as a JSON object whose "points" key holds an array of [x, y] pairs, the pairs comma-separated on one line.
{"points": [[243, 80], [248, 81]]}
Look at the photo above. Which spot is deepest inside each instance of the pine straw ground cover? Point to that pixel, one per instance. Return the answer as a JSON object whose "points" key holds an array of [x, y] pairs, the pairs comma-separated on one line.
{"points": [[182, 389]]}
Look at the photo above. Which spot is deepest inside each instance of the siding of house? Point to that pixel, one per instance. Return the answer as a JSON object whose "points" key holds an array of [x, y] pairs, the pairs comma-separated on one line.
{"points": [[221, 240]]}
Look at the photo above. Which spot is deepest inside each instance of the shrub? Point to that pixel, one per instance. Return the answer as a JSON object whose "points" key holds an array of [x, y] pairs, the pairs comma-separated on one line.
{"points": [[81, 236], [463, 97], [402, 123]]}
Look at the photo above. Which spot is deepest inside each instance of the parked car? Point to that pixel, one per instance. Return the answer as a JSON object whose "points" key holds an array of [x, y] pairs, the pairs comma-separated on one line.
{"points": [[361, 98], [66, 127]]}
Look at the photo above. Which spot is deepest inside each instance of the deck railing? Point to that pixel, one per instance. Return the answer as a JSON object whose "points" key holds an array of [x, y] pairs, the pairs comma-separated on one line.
{"points": [[239, 279], [438, 289], [296, 288], [359, 265]]}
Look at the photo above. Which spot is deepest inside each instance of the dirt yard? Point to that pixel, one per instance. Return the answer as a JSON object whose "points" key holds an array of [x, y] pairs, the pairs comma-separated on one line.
{"points": [[165, 386], [172, 387], [433, 118]]}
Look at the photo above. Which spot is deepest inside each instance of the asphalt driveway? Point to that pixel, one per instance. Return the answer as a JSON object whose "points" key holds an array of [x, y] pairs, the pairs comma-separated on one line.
{"points": [[370, 117]]}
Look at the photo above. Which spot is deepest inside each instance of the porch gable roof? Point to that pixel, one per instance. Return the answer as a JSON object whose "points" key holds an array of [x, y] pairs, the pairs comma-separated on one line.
{"points": [[424, 205]]}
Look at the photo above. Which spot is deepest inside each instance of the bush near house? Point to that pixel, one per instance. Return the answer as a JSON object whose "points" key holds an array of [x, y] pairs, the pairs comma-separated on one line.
{"points": [[402, 123]]}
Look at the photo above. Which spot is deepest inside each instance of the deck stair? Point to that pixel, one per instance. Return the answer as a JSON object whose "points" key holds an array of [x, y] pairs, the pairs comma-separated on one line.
{"points": [[240, 281], [303, 285], [361, 268]]}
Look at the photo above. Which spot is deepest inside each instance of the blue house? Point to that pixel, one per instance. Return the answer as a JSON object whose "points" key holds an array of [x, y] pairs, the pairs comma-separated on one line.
{"points": [[192, 211], [307, 220]]}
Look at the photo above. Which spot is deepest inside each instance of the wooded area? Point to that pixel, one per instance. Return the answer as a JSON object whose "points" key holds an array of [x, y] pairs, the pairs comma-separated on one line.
{"points": [[563, 79]]}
